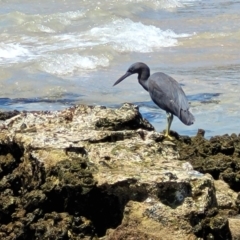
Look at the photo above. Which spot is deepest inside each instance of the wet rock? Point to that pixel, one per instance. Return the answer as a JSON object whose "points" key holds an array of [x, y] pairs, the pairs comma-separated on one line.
{"points": [[92, 172], [8, 204], [218, 156], [219, 226], [61, 226]]}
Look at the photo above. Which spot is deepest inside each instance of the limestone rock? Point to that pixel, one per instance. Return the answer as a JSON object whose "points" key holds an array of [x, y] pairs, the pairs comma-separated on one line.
{"points": [[226, 197]]}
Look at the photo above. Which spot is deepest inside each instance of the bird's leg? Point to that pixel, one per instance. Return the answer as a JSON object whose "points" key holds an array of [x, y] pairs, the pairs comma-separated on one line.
{"points": [[169, 122]]}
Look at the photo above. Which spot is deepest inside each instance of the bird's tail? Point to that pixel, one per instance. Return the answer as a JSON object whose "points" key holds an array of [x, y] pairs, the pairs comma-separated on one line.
{"points": [[186, 117]]}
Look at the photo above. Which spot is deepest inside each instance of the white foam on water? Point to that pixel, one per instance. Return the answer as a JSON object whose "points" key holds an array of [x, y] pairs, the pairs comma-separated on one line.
{"points": [[62, 54], [72, 15], [58, 51], [165, 4], [65, 64], [144, 38], [124, 35], [161, 3], [45, 29], [189, 1], [12, 51], [65, 18]]}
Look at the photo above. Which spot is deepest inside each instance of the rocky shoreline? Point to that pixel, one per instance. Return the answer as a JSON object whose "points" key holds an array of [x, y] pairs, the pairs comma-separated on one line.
{"points": [[99, 173]]}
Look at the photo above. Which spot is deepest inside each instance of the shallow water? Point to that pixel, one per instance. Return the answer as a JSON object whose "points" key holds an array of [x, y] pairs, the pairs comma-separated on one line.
{"points": [[57, 53]]}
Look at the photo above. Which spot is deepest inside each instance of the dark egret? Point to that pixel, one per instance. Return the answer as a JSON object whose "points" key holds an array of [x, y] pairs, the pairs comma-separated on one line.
{"points": [[165, 92]]}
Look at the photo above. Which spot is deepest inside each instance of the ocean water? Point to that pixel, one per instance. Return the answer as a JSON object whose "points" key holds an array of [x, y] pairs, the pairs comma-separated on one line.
{"points": [[54, 54]]}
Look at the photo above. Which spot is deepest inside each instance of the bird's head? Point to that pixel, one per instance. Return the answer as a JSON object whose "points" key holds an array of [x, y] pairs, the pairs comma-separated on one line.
{"points": [[134, 68]]}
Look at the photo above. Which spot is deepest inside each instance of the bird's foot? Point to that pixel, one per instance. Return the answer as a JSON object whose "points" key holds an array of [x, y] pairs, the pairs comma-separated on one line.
{"points": [[168, 136]]}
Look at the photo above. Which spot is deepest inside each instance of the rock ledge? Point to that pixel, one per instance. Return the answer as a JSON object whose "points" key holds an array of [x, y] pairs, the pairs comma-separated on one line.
{"points": [[99, 173]]}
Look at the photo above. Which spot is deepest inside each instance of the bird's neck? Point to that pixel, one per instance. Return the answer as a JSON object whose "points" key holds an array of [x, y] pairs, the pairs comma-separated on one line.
{"points": [[143, 77]]}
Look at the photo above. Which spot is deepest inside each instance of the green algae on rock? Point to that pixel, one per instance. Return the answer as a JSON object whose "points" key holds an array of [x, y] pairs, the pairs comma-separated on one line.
{"points": [[218, 156]]}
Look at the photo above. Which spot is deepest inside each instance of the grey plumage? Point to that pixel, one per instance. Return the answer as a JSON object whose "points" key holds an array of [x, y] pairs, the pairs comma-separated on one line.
{"points": [[165, 92]]}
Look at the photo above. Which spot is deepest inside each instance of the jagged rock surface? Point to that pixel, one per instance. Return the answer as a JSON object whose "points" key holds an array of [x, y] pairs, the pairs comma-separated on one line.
{"points": [[94, 172]]}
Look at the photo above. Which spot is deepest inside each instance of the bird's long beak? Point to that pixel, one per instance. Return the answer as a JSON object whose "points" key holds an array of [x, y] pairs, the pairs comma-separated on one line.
{"points": [[122, 78]]}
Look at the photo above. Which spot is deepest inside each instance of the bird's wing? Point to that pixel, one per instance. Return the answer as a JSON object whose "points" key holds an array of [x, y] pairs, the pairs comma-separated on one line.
{"points": [[167, 93]]}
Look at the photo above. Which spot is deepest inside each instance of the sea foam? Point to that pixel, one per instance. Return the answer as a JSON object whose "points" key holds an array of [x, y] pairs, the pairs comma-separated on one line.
{"points": [[12, 51], [62, 64], [64, 53], [124, 35]]}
